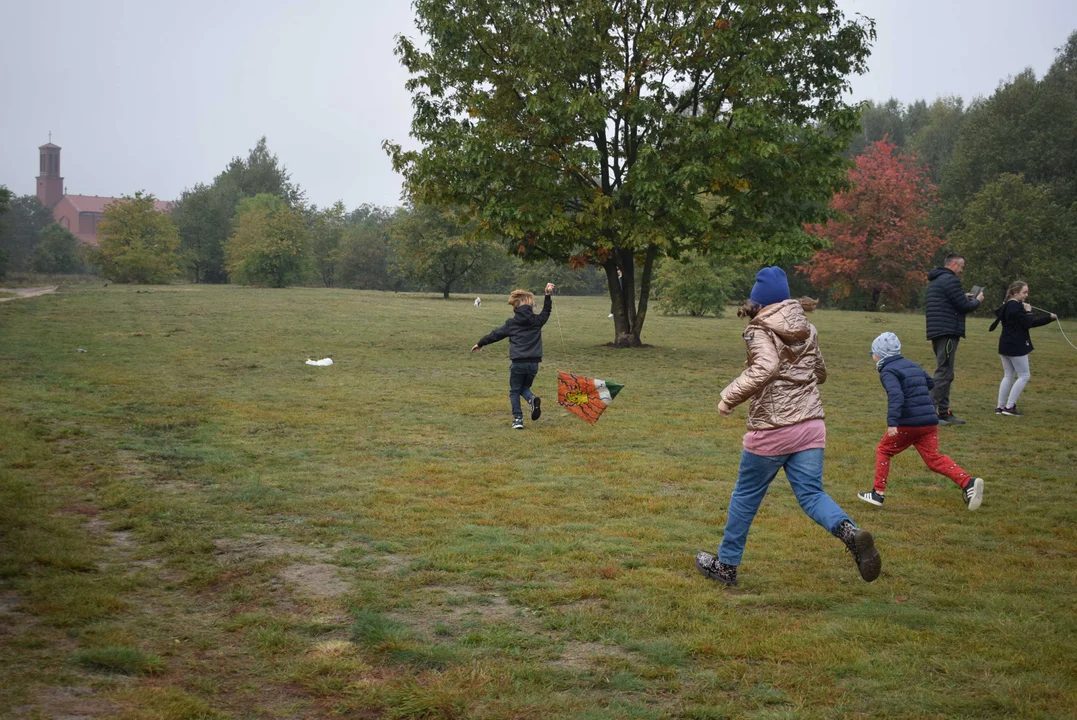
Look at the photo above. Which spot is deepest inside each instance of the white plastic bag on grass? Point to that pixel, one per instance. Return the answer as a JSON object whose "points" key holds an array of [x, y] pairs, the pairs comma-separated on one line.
{"points": [[324, 362]]}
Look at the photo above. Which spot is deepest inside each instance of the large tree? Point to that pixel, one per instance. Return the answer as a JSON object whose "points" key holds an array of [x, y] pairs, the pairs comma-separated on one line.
{"points": [[620, 131], [59, 251], [1013, 230], [1026, 127], [880, 244], [204, 214], [270, 242], [364, 253], [137, 244], [20, 229], [433, 250]]}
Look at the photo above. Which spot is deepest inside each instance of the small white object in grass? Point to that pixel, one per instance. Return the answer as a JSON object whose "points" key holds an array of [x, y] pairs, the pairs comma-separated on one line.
{"points": [[80, 350], [478, 302], [324, 362]]}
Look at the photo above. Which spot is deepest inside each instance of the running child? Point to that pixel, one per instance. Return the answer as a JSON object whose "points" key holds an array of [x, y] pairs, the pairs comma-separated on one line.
{"points": [[911, 420], [785, 428], [524, 331]]}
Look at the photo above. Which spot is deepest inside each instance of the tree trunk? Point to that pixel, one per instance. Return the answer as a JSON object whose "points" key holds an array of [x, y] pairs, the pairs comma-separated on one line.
{"points": [[628, 317]]}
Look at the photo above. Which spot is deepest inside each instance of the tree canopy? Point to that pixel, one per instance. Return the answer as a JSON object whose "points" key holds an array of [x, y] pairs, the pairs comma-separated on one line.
{"points": [[881, 245], [618, 132], [270, 242], [136, 244]]}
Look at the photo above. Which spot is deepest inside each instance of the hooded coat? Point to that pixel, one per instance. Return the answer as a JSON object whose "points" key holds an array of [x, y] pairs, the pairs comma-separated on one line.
{"points": [[1016, 322], [784, 370], [524, 331]]}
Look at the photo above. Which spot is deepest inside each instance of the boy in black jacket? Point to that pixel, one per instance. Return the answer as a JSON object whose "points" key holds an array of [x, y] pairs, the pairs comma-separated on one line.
{"points": [[911, 420], [524, 331]]}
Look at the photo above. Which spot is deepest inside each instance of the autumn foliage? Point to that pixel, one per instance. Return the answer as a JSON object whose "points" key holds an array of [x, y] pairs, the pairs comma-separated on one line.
{"points": [[881, 245]]}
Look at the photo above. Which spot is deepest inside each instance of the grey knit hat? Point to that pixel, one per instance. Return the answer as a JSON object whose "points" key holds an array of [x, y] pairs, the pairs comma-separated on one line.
{"points": [[886, 345]]}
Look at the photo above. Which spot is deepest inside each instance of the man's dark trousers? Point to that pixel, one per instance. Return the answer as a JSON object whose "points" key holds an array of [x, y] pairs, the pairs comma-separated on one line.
{"points": [[945, 347]]}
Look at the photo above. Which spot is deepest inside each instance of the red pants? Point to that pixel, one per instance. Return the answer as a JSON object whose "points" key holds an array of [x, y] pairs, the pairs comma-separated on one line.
{"points": [[926, 441]]}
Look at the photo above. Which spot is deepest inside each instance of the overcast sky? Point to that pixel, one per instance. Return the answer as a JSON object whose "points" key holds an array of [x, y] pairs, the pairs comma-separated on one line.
{"points": [[159, 96]]}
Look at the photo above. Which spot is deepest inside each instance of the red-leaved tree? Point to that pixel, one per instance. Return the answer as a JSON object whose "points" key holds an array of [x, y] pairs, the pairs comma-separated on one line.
{"points": [[881, 244]]}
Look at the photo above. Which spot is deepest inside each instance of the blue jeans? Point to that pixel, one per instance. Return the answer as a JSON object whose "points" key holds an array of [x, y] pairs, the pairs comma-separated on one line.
{"points": [[804, 471], [521, 375]]}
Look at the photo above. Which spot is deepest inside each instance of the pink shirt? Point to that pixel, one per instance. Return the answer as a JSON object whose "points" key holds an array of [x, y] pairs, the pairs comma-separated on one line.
{"points": [[807, 435]]}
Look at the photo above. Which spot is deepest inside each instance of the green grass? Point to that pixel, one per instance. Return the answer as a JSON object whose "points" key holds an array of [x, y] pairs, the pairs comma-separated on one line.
{"points": [[371, 540]]}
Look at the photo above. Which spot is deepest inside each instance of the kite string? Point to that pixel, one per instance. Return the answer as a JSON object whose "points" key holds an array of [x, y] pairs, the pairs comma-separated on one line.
{"points": [[1059, 324], [564, 349]]}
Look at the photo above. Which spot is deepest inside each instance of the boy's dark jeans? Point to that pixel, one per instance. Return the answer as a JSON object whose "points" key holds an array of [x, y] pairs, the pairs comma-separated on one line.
{"points": [[521, 375]]}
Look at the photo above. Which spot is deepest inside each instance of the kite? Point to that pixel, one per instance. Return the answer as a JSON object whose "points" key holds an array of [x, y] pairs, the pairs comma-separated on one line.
{"points": [[584, 396]]}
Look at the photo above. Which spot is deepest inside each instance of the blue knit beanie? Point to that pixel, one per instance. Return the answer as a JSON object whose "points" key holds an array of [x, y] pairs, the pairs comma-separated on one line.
{"points": [[770, 286], [886, 345]]}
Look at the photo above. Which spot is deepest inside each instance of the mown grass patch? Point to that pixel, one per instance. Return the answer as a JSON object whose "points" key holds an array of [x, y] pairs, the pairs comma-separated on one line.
{"points": [[372, 539]]}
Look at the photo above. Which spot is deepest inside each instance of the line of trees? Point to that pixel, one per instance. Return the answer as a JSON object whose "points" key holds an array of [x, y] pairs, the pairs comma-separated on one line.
{"points": [[995, 181]]}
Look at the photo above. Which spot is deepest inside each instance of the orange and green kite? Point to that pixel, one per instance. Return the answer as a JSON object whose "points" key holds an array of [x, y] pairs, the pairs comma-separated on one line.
{"points": [[584, 396]]}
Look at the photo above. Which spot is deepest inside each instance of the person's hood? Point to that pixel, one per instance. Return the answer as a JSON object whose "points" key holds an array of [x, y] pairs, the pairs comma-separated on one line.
{"points": [[786, 320], [939, 271]]}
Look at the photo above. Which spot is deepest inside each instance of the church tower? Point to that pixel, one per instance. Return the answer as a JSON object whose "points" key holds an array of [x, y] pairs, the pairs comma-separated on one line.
{"points": [[50, 186]]}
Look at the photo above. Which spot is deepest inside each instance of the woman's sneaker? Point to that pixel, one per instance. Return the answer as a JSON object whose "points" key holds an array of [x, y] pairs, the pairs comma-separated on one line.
{"points": [[998, 410], [715, 569], [872, 498], [862, 546], [1012, 411], [973, 493]]}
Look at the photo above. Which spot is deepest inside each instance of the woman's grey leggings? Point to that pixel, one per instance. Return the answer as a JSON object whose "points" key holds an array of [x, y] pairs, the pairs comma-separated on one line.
{"points": [[1015, 377]]}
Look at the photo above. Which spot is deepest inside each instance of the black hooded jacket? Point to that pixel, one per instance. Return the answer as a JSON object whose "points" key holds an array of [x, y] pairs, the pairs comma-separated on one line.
{"points": [[524, 331], [1016, 322], [946, 304]]}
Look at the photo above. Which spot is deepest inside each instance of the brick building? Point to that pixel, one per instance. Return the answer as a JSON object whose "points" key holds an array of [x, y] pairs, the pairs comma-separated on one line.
{"points": [[78, 213]]}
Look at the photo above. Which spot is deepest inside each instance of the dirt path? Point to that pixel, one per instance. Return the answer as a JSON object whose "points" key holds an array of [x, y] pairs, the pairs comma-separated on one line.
{"points": [[26, 292]]}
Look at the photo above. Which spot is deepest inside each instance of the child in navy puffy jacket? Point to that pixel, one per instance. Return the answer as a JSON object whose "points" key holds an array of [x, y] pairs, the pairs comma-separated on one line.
{"points": [[911, 420]]}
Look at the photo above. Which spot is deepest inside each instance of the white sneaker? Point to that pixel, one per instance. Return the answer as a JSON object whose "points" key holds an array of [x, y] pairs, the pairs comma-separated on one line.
{"points": [[872, 498], [974, 493]]}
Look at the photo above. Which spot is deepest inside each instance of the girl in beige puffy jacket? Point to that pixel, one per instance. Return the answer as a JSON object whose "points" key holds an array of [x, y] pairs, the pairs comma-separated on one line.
{"points": [[786, 428]]}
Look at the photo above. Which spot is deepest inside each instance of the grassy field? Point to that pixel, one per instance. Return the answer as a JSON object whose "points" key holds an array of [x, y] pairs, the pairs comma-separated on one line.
{"points": [[195, 524]]}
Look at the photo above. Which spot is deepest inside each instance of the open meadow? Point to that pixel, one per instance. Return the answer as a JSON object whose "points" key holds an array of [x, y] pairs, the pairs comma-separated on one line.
{"points": [[195, 524]]}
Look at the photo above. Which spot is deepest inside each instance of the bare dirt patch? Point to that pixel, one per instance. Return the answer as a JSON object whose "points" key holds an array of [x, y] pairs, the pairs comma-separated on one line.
{"points": [[66, 703], [444, 605], [316, 580], [23, 293], [582, 655]]}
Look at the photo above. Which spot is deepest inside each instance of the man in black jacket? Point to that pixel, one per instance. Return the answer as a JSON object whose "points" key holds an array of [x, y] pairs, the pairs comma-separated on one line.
{"points": [[524, 331], [946, 307]]}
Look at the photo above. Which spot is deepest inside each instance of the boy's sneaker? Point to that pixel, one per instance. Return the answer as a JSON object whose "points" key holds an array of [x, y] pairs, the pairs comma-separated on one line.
{"points": [[1012, 411], [948, 418], [517, 423], [536, 407], [862, 546], [973, 493], [715, 569], [872, 498]]}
